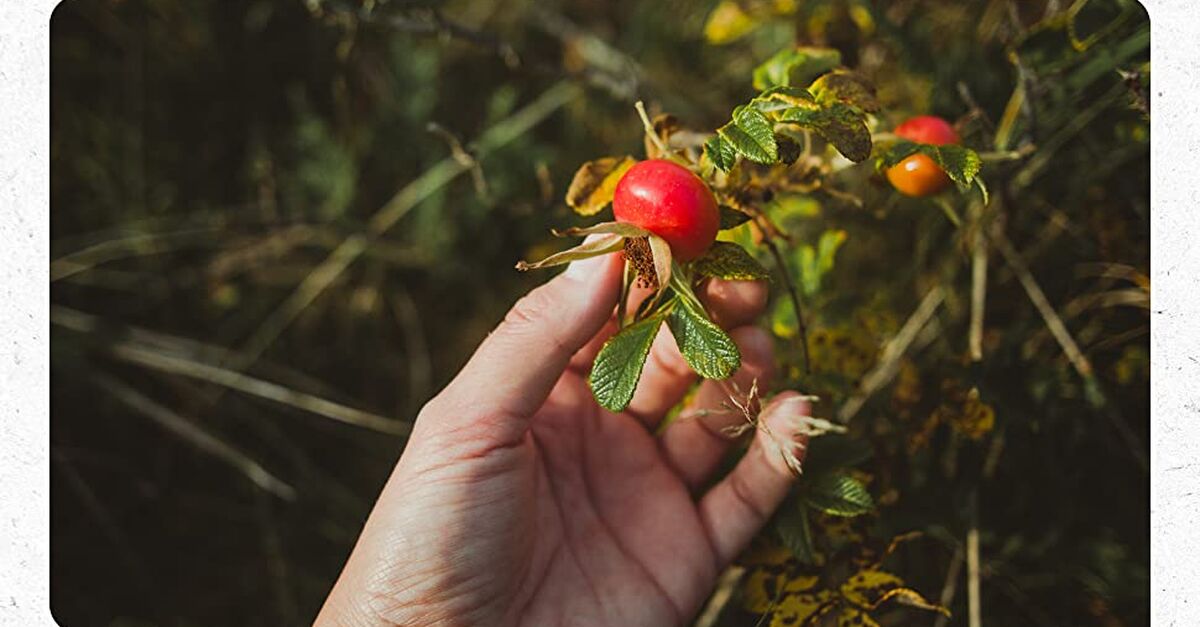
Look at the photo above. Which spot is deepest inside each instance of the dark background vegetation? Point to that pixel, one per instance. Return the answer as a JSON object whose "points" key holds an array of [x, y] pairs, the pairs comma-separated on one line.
{"points": [[209, 158]]}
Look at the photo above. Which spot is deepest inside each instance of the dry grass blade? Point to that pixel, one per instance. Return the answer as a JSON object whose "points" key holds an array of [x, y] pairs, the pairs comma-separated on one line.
{"points": [[404, 201], [950, 588], [889, 362], [974, 613], [232, 379], [195, 435], [979, 270], [726, 586], [126, 247]]}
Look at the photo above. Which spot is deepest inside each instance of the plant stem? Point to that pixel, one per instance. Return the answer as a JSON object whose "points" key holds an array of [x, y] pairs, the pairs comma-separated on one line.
{"points": [[649, 126], [792, 293]]}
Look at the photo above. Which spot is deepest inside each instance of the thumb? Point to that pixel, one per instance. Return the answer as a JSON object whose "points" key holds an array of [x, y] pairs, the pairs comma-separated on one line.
{"points": [[515, 368]]}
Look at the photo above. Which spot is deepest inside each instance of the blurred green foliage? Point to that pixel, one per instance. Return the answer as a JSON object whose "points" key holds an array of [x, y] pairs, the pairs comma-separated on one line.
{"points": [[207, 157]]}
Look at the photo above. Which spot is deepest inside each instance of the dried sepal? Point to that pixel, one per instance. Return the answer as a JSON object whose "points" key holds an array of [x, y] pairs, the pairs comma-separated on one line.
{"points": [[600, 245]]}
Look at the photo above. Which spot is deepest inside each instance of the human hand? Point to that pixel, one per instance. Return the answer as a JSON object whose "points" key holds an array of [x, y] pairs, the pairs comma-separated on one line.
{"points": [[520, 501]]}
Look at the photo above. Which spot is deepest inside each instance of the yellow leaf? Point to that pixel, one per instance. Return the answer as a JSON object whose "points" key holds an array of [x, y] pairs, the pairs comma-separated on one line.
{"points": [[865, 588], [793, 609], [595, 182], [728, 22], [912, 598], [758, 591], [851, 617]]}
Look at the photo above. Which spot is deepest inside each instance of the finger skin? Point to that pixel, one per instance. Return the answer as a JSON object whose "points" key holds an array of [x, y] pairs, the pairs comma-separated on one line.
{"points": [[737, 507], [667, 377], [513, 370], [695, 442], [734, 303]]}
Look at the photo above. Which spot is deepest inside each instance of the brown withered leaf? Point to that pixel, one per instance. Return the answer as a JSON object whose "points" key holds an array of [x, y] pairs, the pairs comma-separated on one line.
{"points": [[595, 182], [848, 87]]}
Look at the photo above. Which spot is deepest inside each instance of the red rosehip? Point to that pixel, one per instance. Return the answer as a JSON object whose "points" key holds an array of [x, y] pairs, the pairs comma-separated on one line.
{"points": [[919, 175], [670, 201]]}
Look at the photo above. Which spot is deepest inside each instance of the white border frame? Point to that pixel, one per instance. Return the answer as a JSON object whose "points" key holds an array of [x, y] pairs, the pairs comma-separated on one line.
{"points": [[25, 295]]}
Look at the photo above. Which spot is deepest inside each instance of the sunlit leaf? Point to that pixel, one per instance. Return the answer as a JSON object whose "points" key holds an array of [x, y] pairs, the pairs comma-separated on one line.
{"points": [[816, 262], [846, 87], [795, 66], [704, 345], [618, 365], [721, 153], [751, 134], [960, 164], [839, 123], [782, 98], [594, 183], [728, 22]]}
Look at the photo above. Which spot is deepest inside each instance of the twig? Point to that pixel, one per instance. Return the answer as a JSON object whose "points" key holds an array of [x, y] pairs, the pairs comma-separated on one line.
{"points": [[650, 132], [404, 201], [726, 586], [790, 286], [132, 353], [196, 436], [979, 268], [889, 361], [974, 613], [1043, 306], [950, 588]]}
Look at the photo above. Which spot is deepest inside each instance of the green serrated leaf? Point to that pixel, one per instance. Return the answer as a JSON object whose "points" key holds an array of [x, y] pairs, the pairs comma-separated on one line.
{"points": [[731, 218], [840, 124], [618, 365], [961, 164], [795, 66], [704, 345], [791, 525], [751, 135], [781, 98], [726, 260], [894, 153], [847, 87], [721, 153], [594, 183], [838, 494]]}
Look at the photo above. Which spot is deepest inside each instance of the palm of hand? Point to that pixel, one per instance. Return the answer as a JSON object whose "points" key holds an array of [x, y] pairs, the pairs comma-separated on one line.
{"points": [[519, 501], [610, 521]]}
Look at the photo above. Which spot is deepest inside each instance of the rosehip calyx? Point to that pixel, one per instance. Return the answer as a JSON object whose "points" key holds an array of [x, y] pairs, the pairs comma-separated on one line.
{"points": [[918, 174], [671, 202]]}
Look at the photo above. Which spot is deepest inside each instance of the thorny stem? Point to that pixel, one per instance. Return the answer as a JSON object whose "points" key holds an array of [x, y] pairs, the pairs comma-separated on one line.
{"points": [[792, 293]]}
